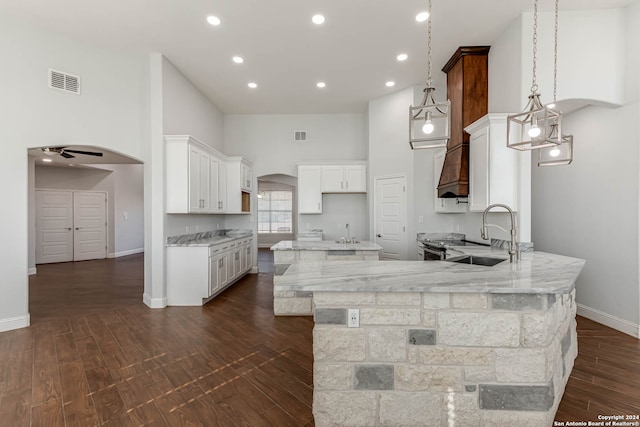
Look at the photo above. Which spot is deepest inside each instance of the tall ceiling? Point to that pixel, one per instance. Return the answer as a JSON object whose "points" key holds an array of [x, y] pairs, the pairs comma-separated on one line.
{"points": [[354, 51]]}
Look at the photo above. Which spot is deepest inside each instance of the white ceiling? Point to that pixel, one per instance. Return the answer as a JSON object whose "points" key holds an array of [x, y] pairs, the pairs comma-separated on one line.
{"points": [[353, 52]]}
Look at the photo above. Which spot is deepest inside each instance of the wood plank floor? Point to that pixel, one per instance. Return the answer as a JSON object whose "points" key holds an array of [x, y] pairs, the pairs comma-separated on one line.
{"points": [[95, 355]]}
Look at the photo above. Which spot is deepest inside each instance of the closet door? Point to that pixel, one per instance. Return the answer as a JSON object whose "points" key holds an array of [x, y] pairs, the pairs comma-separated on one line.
{"points": [[89, 225], [54, 222]]}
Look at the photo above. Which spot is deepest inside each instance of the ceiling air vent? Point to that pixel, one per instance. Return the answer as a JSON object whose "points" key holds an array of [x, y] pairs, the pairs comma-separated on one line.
{"points": [[300, 136], [64, 81]]}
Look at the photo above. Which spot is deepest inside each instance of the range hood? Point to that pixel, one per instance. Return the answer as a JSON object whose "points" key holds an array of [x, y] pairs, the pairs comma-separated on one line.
{"points": [[468, 91]]}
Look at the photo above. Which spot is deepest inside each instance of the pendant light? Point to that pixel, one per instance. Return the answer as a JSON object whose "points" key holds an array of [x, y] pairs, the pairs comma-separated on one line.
{"points": [[561, 154], [429, 122], [534, 127]]}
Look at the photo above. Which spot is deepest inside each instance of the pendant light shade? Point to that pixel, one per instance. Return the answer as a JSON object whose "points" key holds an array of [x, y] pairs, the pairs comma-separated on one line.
{"points": [[557, 155], [535, 128], [429, 122]]}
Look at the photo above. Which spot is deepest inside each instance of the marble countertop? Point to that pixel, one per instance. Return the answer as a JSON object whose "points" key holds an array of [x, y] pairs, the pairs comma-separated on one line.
{"points": [[324, 245], [209, 240], [536, 273]]}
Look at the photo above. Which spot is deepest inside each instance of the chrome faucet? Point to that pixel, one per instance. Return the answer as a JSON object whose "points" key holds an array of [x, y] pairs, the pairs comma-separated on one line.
{"points": [[484, 232], [348, 234]]}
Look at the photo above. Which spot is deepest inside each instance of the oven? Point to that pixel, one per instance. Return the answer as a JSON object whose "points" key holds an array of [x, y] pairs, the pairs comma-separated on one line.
{"points": [[430, 252]]}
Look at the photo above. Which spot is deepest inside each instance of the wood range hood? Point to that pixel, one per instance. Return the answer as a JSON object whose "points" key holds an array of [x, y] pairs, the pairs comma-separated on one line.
{"points": [[468, 90]]}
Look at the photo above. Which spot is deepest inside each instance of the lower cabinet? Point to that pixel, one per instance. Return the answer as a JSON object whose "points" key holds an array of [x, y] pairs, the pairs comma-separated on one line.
{"points": [[195, 274]]}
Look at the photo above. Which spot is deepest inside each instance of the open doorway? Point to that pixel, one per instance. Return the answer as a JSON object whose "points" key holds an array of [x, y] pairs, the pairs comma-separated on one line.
{"points": [[85, 203], [277, 209]]}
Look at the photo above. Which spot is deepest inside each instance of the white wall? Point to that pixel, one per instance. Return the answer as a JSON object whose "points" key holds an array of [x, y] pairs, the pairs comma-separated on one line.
{"points": [[590, 209], [268, 142], [109, 113], [186, 111], [337, 211]]}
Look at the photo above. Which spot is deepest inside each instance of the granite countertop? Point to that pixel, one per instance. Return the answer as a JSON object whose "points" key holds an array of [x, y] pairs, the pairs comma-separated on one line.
{"points": [[205, 239], [536, 273], [324, 245]]}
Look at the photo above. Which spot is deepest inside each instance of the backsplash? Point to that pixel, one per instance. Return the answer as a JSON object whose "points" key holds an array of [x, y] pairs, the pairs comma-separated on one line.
{"points": [[504, 245], [422, 237]]}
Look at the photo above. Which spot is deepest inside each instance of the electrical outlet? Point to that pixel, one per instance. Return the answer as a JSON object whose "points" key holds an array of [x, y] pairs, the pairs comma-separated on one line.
{"points": [[353, 320]]}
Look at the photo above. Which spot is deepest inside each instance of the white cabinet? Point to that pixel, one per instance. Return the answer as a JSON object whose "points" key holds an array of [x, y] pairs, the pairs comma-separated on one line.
{"points": [[309, 189], [239, 182], [443, 205], [195, 274], [493, 168], [192, 176], [344, 179], [222, 186], [247, 176]]}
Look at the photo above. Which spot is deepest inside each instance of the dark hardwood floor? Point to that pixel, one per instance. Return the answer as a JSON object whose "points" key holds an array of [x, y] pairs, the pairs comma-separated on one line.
{"points": [[95, 355]]}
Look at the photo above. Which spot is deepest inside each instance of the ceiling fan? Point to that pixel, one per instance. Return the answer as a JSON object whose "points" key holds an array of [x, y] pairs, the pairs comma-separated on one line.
{"points": [[64, 152]]}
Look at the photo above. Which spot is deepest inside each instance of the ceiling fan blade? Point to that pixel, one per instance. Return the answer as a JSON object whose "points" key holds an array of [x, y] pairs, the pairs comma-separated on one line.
{"points": [[67, 155], [88, 153]]}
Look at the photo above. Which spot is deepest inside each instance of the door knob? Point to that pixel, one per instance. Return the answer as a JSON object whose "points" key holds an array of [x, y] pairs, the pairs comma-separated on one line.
{"points": [[378, 235]]}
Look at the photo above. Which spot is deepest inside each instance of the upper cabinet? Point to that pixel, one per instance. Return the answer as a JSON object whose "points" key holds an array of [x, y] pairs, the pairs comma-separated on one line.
{"points": [[189, 176], [316, 179], [493, 168], [239, 177], [200, 179], [309, 189], [344, 178]]}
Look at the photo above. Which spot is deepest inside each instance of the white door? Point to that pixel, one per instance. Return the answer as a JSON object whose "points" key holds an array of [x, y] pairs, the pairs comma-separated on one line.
{"points": [[54, 222], [390, 204], [90, 225]]}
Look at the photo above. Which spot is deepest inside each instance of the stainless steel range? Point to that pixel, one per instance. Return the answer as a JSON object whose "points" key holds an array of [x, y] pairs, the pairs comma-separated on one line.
{"points": [[436, 250]]}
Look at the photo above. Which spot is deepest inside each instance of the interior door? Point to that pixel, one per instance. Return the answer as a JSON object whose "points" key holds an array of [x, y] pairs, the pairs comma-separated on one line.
{"points": [[90, 225], [390, 200], [54, 222]]}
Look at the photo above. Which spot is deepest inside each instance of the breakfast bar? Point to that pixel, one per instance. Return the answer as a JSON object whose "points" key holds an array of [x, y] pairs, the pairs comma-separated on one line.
{"points": [[440, 343]]}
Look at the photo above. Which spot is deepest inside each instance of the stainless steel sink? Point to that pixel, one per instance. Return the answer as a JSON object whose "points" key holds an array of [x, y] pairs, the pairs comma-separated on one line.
{"points": [[477, 260]]}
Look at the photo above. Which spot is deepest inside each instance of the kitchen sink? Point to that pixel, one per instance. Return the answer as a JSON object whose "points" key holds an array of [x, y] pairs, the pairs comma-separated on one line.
{"points": [[477, 260]]}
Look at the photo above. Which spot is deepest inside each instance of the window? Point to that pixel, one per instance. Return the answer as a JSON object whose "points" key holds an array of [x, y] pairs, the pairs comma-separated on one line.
{"points": [[275, 211]]}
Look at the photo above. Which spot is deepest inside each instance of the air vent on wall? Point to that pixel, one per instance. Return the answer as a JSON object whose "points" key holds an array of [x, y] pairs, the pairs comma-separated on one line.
{"points": [[300, 136], [63, 81]]}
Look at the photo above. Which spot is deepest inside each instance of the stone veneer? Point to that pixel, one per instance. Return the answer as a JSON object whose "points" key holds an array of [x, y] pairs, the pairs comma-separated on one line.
{"points": [[441, 359], [298, 303]]}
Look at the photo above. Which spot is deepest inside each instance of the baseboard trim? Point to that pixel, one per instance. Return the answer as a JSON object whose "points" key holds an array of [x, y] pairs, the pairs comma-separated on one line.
{"points": [[12, 323], [154, 302], [254, 270], [606, 319], [125, 253], [32, 271]]}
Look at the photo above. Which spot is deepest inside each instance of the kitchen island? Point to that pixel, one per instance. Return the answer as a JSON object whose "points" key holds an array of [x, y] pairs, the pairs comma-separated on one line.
{"points": [[440, 343], [287, 252]]}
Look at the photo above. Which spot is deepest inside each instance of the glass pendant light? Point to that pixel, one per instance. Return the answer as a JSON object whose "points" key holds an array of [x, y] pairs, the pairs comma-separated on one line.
{"points": [[561, 154], [429, 122], [534, 127]]}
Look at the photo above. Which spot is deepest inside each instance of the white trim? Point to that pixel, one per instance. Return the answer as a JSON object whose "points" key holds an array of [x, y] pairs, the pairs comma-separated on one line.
{"points": [[32, 271], [606, 319], [154, 302], [12, 323], [254, 270], [125, 253]]}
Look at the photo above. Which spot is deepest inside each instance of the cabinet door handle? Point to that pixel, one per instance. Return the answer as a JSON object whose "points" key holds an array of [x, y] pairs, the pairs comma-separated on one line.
{"points": [[341, 185], [318, 206], [378, 235], [347, 184]]}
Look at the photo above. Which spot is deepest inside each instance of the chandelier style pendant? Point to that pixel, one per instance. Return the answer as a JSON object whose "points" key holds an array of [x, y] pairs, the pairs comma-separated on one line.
{"points": [[537, 126], [429, 122], [561, 154]]}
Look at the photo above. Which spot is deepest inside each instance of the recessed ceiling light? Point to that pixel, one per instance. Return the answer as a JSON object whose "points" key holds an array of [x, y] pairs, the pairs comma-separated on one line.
{"points": [[390, 84], [252, 85], [321, 84], [238, 59], [47, 160], [318, 19], [422, 16], [402, 57], [213, 20]]}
